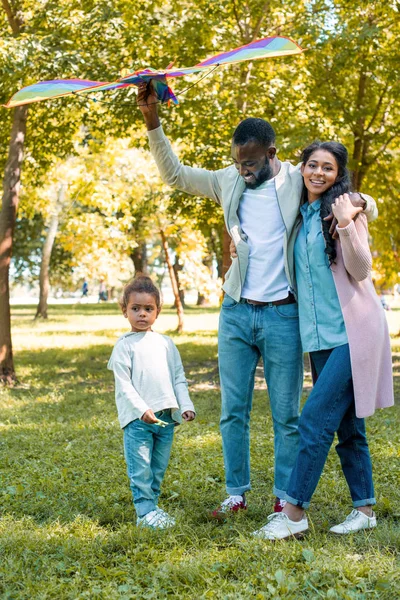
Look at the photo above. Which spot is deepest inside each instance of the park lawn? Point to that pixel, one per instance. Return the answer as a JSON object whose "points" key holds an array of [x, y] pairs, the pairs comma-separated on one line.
{"points": [[67, 523]]}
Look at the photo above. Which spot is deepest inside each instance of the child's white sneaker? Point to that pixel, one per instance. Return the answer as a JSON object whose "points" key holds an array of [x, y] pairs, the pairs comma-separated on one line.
{"points": [[355, 521], [279, 527], [156, 519]]}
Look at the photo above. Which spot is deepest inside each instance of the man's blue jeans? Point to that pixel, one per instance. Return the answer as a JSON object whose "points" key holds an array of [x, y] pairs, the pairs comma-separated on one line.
{"points": [[147, 450], [330, 408], [247, 332]]}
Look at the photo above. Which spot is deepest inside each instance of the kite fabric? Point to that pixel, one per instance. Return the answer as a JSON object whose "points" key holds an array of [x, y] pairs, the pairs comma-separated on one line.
{"points": [[47, 90]]}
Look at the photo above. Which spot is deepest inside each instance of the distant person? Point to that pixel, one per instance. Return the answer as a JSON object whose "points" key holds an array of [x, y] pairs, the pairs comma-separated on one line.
{"points": [[102, 292], [85, 289], [385, 301], [343, 327], [152, 396]]}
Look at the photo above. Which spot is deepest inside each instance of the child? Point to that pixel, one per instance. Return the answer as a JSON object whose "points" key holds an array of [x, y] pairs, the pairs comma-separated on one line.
{"points": [[151, 393]]}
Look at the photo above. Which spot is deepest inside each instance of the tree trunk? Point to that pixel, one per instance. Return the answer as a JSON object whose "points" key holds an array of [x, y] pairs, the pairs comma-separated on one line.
{"points": [[201, 299], [44, 283], [139, 259], [11, 184], [207, 261], [241, 100], [174, 283], [216, 240], [359, 133], [226, 256], [9, 206], [178, 267]]}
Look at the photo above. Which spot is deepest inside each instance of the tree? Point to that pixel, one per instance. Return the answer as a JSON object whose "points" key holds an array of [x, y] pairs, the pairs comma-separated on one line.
{"points": [[10, 199], [204, 124], [139, 258], [59, 39], [174, 282], [324, 93], [8, 213], [114, 203], [44, 280], [354, 83]]}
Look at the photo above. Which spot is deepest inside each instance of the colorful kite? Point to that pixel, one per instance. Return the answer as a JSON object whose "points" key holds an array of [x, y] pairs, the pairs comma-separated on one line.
{"points": [[47, 90]]}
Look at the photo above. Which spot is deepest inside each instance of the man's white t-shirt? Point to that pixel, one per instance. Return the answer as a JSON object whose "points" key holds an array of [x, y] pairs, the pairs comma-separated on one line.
{"points": [[261, 220]]}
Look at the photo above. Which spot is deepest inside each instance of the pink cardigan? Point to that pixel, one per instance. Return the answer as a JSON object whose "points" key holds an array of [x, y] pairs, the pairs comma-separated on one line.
{"points": [[364, 318]]}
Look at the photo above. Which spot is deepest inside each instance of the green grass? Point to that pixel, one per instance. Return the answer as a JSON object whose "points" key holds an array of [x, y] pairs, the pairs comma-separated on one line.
{"points": [[67, 526]]}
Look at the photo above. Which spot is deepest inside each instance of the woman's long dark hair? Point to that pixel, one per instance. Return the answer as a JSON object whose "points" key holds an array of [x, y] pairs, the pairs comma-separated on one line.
{"points": [[341, 186]]}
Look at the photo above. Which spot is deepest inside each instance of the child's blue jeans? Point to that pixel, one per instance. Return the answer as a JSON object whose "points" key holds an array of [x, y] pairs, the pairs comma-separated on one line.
{"points": [[147, 449]]}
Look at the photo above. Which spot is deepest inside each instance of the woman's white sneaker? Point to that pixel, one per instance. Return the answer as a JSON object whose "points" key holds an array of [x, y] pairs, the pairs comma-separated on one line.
{"points": [[279, 527], [355, 521]]}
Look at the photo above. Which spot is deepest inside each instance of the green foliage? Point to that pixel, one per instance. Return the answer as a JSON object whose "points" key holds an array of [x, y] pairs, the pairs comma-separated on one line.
{"points": [[29, 240], [67, 528], [27, 247], [114, 202], [344, 87]]}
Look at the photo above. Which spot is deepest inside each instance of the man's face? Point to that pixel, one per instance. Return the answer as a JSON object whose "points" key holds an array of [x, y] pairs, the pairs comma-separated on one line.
{"points": [[253, 162]]}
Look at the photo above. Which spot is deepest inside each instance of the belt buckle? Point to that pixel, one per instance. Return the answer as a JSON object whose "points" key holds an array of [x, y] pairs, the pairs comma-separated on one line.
{"points": [[257, 303]]}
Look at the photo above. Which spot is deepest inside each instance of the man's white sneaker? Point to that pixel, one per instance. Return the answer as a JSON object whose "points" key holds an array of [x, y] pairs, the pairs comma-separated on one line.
{"points": [[156, 519], [279, 526], [355, 521], [231, 505]]}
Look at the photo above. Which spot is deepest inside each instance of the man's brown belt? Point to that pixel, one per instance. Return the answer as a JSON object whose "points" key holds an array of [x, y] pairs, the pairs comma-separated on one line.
{"points": [[289, 300]]}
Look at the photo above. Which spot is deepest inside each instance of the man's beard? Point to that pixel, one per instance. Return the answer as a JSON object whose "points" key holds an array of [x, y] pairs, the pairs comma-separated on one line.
{"points": [[263, 175]]}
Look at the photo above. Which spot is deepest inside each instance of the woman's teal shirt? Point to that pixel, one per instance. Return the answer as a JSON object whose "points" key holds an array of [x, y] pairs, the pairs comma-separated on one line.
{"points": [[321, 319]]}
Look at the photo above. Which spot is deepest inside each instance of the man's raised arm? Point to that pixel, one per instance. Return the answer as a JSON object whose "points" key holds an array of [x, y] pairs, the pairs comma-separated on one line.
{"points": [[147, 102], [198, 182]]}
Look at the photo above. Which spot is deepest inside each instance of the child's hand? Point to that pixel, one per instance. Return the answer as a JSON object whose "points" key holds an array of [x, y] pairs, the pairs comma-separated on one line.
{"points": [[149, 417], [188, 415]]}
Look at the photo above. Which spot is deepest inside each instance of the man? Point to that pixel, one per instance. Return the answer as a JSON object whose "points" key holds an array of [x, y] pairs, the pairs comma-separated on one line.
{"points": [[260, 197]]}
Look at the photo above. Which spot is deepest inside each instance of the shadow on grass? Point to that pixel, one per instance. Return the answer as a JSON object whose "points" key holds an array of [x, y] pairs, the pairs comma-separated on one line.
{"points": [[46, 366], [57, 310], [60, 367], [62, 440], [62, 436], [110, 333], [67, 527]]}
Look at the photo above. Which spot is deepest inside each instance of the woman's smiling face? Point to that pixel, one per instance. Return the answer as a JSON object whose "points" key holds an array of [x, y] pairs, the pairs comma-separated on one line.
{"points": [[319, 173]]}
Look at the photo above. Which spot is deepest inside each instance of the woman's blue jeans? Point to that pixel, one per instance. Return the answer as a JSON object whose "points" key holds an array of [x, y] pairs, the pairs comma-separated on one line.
{"points": [[147, 450], [246, 332], [330, 409]]}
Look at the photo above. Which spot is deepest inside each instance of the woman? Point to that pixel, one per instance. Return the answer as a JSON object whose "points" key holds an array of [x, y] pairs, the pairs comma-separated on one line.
{"points": [[343, 327]]}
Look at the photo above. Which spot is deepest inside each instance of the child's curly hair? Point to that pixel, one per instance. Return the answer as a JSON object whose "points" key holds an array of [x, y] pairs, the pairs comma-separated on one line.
{"points": [[142, 285]]}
